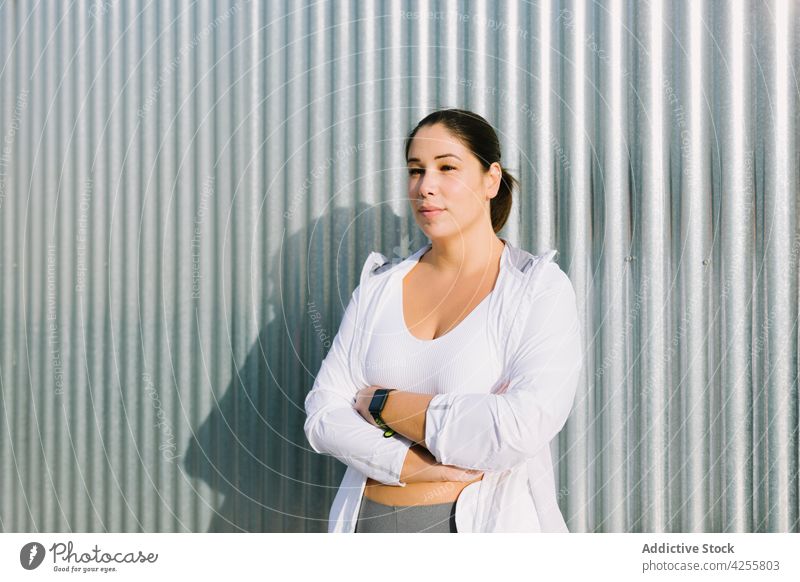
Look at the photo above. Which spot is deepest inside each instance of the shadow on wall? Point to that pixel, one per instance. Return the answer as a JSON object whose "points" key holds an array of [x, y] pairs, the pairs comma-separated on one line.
{"points": [[252, 448]]}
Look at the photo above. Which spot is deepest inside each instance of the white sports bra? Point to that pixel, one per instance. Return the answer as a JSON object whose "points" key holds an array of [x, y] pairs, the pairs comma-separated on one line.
{"points": [[459, 361]]}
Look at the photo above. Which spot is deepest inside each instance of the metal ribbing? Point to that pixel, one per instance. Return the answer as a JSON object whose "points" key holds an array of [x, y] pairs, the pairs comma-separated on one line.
{"points": [[652, 282], [542, 108], [8, 478], [736, 269], [776, 340], [575, 167], [188, 191], [615, 477], [691, 291]]}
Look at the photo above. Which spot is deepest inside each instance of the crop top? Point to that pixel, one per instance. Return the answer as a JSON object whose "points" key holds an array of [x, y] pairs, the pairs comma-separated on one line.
{"points": [[460, 361]]}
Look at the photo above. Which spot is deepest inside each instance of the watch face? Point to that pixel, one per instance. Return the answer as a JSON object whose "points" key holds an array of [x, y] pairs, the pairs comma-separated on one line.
{"points": [[378, 401]]}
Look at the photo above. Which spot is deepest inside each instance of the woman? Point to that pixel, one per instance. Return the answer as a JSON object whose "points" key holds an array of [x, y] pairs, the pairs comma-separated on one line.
{"points": [[453, 370]]}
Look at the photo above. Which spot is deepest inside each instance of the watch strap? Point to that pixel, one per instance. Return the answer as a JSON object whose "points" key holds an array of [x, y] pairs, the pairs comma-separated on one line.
{"points": [[376, 405]]}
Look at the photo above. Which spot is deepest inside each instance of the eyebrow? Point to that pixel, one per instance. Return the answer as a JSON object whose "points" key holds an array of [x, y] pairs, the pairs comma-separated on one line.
{"points": [[436, 158]]}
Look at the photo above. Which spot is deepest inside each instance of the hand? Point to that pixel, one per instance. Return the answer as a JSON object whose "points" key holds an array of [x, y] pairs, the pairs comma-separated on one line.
{"points": [[363, 398], [421, 466], [453, 473]]}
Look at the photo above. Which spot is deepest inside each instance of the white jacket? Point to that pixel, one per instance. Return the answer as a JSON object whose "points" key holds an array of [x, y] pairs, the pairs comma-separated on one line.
{"points": [[505, 432]]}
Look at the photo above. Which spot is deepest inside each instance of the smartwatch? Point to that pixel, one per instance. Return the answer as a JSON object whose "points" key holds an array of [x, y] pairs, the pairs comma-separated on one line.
{"points": [[376, 405]]}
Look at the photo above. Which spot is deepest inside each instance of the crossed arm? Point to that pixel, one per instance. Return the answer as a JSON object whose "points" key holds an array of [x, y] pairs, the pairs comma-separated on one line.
{"points": [[482, 432], [403, 411]]}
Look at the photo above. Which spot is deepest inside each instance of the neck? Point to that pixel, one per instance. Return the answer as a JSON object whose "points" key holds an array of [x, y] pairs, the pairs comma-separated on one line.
{"points": [[467, 253]]}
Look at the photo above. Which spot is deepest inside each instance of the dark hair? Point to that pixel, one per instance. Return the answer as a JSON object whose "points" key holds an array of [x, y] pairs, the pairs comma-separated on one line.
{"points": [[481, 139]]}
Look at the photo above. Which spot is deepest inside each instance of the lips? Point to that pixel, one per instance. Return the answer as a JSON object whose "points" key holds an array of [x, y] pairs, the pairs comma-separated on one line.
{"points": [[430, 211]]}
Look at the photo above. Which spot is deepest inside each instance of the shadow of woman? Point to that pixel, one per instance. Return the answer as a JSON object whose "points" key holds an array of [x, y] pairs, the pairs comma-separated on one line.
{"points": [[251, 448]]}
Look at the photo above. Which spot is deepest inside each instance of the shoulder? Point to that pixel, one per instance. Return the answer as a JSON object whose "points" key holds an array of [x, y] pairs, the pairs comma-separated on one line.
{"points": [[375, 268], [546, 287], [378, 266], [552, 278], [553, 298], [538, 271]]}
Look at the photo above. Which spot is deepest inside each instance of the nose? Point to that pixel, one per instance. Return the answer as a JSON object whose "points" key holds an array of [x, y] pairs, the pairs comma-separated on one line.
{"points": [[427, 184]]}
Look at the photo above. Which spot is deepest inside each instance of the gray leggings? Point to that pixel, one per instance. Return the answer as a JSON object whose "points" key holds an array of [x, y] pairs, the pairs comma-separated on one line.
{"points": [[375, 517]]}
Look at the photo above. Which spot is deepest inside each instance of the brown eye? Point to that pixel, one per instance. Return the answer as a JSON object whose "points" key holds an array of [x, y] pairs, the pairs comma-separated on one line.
{"points": [[414, 171]]}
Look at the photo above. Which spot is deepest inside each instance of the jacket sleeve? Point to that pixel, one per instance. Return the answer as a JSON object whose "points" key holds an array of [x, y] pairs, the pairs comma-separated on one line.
{"points": [[494, 432], [332, 424]]}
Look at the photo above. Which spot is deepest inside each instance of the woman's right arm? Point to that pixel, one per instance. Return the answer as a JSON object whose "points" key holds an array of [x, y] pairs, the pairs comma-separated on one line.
{"points": [[333, 426], [421, 466]]}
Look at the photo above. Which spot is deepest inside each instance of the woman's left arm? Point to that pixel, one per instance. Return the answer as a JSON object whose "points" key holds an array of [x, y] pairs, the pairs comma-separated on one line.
{"points": [[495, 432], [404, 411]]}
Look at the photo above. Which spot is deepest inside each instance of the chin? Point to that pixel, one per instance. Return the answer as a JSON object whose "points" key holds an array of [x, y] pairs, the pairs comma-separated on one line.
{"points": [[444, 236], [439, 233], [440, 229]]}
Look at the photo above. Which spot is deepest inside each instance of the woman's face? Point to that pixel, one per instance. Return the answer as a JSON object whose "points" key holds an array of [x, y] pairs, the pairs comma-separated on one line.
{"points": [[445, 176]]}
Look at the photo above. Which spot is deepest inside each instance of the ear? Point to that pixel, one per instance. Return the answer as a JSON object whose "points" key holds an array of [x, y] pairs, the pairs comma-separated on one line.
{"points": [[492, 178]]}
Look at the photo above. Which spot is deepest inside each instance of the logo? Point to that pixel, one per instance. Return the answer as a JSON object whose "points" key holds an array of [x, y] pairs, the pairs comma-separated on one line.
{"points": [[31, 555]]}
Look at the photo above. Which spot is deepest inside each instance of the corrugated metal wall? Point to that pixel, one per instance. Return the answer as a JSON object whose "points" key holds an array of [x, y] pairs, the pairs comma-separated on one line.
{"points": [[188, 189]]}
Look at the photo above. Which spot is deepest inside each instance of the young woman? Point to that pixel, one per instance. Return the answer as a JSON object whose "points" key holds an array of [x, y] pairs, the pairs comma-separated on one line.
{"points": [[453, 370]]}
